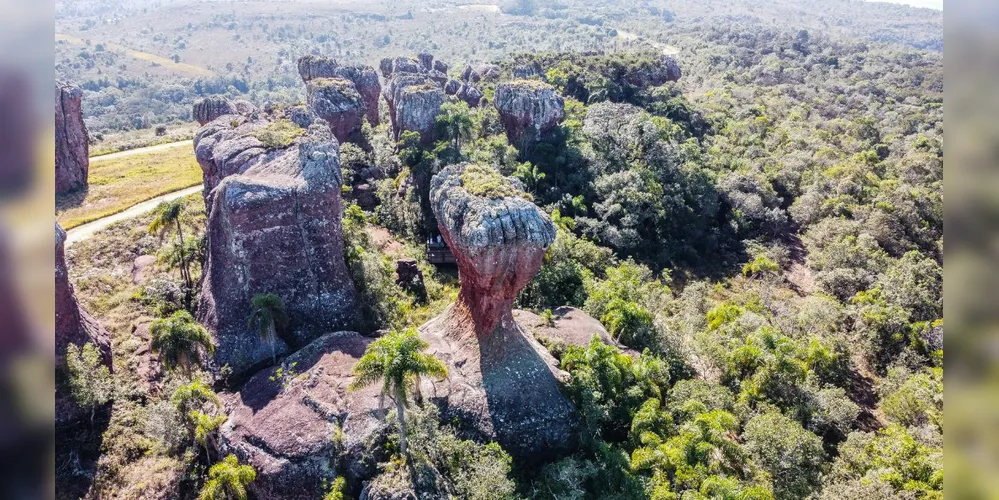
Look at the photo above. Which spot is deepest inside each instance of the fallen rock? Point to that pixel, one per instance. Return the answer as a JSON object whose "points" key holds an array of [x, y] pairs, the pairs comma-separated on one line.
{"points": [[141, 268], [528, 109], [274, 226], [471, 95], [147, 366], [502, 384], [73, 326], [211, 107], [337, 101], [287, 428], [72, 149]]}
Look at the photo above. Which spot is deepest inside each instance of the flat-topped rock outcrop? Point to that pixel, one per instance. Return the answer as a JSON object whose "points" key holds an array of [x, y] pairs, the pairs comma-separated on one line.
{"points": [[502, 384], [528, 109], [274, 226], [72, 149], [337, 101], [364, 78], [414, 97], [73, 326]]}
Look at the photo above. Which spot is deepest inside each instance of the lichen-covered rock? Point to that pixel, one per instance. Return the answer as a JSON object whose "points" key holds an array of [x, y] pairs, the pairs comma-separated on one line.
{"points": [[414, 102], [466, 74], [211, 107], [438, 77], [426, 60], [337, 101], [572, 327], [452, 87], [286, 428], [385, 66], [244, 107], [73, 326], [364, 78], [526, 71], [528, 109], [665, 70], [72, 150], [471, 95], [440, 66], [488, 72], [302, 116], [274, 226], [406, 65], [502, 384]]}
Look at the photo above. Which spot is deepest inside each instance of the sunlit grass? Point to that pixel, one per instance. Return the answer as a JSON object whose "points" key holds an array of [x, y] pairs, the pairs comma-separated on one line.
{"points": [[117, 184]]}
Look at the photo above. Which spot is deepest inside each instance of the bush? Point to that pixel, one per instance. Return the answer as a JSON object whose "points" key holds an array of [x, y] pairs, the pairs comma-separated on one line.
{"points": [[792, 455]]}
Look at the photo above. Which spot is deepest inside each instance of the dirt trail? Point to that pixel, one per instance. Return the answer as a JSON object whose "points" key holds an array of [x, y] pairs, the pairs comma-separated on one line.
{"points": [[85, 231], [139, 151]]}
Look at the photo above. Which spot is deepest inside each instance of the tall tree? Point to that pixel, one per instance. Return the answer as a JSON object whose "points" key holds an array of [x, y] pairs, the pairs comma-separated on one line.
{"points": [[180, 341], [397, 361], [268, 314], [167, 217]]}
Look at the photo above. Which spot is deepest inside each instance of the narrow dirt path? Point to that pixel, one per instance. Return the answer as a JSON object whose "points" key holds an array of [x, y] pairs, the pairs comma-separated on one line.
{"points": [[85, 231], [139, 151]]}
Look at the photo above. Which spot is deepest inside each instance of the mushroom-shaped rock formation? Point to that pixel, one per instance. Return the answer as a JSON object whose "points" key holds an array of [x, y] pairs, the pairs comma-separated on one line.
{"points": [[471, 95], [212, 107], [283, 428], [274, 226], [528, 109], [73, 326], [364, 78], [502, 383], [336, 100], [72, 161]]}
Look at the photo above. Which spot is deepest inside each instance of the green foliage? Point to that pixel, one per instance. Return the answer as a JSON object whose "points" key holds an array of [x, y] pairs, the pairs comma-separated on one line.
{"points": [[383, 302], [278, 134], [335, 490], [180, 341], [90, 381], [894, 457], [790, 454], [167, 216], [917, 401], [227, 480], [480, 180], [628, 282], [630, 324], [761, 264]]}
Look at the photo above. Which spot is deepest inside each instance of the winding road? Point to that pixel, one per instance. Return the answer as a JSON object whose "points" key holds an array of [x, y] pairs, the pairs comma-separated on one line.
{"points": [[85, 231], [139, 151]]}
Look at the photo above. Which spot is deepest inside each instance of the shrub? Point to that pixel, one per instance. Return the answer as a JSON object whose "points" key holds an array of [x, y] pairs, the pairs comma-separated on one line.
{"points": [[792, 455]]}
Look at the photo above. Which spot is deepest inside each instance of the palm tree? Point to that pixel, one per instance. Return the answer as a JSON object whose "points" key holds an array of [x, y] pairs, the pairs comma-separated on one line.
{"points": [[529, 175], [227, 480], [179, 341], [397, 361], [454, 123], [268, 314], [168, 215]]}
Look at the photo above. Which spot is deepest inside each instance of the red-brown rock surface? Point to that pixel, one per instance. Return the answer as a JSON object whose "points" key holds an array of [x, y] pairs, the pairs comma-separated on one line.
{"points": [[72, 161], [274, 226], [337, 101], [502, 383], [528, 109], [73, 326], [286, 429]]}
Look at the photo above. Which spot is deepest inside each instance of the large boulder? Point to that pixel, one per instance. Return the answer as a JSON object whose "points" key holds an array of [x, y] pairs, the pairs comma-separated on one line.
{"points": [[471, 95], [364, 78], [337, 101], [414, 102], [73, 326], [488, 71], [211, 107], [528, 109], [274, 226], [72, 149], [289, 428], [502, 384]]}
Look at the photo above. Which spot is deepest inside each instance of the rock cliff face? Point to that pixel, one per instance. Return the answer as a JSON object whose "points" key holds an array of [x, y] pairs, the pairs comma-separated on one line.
{"points": [[73, 326], [274, 226], [337, 101], [364, 78], [528, 109], [502, 383], [211, 107], [284, 429], [72, 150]]}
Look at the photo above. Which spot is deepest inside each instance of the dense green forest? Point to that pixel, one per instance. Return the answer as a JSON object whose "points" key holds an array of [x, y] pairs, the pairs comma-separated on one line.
{"points": [[765, 235]]}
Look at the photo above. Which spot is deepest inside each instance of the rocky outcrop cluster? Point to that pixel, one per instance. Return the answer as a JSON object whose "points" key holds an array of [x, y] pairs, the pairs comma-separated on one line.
{"points": [[664, 70], [211, 107], [364, 78], [414, 93], [287, 429], [502, 383], [72, 149], [337, 101], [73, 326], [528, 109], [274, 226]]}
